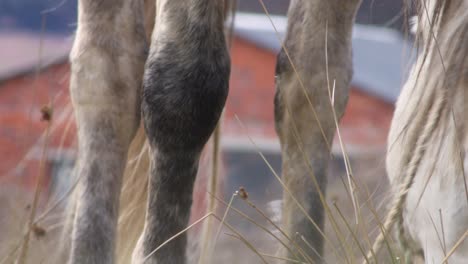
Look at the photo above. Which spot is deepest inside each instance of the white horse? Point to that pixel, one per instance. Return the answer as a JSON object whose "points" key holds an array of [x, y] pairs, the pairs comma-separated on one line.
{"points": [[428, 140]]}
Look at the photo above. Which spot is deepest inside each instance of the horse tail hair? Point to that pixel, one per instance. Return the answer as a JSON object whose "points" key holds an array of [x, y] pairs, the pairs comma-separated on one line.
{"points": [[134, 193], [133, 197]]}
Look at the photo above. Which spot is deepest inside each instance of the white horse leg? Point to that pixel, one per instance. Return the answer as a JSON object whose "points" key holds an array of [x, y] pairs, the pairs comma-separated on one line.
{"points": [[107, 62], [306, 136], [184, 91]]}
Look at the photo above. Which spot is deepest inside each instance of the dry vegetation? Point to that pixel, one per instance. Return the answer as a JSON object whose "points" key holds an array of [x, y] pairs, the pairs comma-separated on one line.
{"points": [[346, 244]]}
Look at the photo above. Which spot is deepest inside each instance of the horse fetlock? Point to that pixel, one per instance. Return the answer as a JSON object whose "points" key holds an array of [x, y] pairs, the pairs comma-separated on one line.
{"points": [[172, 177]]}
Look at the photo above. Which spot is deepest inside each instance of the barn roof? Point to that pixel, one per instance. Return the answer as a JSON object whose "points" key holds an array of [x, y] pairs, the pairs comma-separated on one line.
{"points": [[23, 52], [383, 12], [380, 55]]}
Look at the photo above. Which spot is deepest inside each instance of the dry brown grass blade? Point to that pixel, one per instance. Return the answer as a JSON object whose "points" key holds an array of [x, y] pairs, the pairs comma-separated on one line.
{"points": [[249, 245], [444, 244], [387, 240], [283, 185], [351, 232], [454, 248], [8, 258], [252, 205], [207, 230], [177, 235], [312, 248], [37, 191], [284, 259], [331, 93], [245, 241], [47, 116], [296, 72], [439, 238], [228, 207], [58, 119], [265, 229]]}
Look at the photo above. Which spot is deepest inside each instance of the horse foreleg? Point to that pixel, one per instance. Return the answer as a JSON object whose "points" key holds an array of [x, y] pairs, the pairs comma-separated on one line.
{"points": [[303, 111], [184, 91], [106, 69]]}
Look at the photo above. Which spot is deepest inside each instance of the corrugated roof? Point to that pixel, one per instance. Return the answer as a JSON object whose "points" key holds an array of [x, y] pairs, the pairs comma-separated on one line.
{"points": [[380, 55], [22, 52], [386, 13]]}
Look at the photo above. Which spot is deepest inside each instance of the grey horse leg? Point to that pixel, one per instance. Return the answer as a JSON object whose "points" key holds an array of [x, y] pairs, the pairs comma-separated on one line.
{"points": [[184, 91], [107, 62], [306, 136]]}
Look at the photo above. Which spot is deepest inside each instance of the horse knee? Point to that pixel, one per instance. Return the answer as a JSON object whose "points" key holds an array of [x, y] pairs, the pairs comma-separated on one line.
{"points": [[98, 84], [183, 97]]}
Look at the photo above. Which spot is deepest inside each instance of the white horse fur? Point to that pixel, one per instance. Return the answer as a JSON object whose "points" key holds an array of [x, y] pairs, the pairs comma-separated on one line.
{"points": [[178, 77], [428, 140]]}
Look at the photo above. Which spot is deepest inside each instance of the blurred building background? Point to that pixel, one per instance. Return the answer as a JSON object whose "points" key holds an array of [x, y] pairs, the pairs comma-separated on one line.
{"points": [[36, 36]]}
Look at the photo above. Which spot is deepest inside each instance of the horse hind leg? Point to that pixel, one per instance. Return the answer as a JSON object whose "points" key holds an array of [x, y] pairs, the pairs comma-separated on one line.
{"points": [[107, 62], [184, 91], [303, 112]]}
